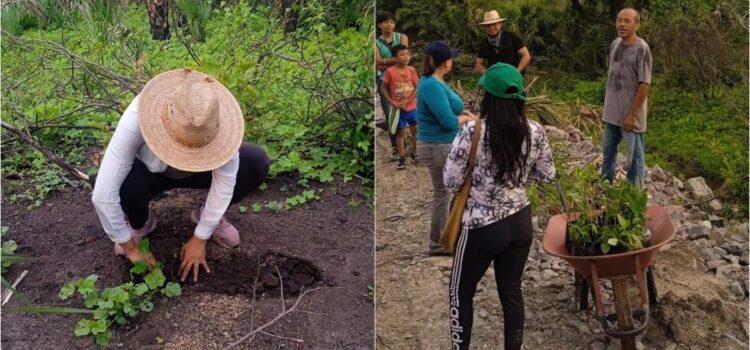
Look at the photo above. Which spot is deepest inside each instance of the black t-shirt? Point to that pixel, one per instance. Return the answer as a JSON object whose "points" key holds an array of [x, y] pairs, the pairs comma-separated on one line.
{"points": [[507, 52]]}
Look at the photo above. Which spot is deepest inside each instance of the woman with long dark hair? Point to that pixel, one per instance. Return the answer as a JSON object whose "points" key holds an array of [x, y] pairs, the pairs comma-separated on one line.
{"points": [[496, 223], [440, 113]]}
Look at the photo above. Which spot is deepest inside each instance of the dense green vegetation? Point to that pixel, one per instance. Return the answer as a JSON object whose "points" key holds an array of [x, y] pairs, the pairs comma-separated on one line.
{"points": [[698, 101], [71, 67]]}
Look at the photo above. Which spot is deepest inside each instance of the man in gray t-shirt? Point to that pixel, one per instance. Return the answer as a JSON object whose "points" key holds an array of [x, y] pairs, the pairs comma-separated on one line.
{"points": [[625, 99]]}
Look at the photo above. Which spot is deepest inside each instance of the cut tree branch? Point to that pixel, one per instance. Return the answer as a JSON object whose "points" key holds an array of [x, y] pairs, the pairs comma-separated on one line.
{"points": [[27, 138], [261, 329]]}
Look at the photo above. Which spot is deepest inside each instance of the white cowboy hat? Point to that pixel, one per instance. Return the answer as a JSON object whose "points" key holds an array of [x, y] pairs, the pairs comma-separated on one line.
{"points": [[190, 120], [492, 17]]}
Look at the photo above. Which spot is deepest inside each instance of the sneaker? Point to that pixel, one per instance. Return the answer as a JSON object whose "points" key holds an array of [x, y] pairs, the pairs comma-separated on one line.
{"points": [[413, 156], [224, 234], [394, 154], [138, 234], [438, 252], [401, 164]]}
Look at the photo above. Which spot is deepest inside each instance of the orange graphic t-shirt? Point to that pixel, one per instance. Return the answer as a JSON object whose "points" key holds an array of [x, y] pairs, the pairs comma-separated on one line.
{"points": [[402, 85]]}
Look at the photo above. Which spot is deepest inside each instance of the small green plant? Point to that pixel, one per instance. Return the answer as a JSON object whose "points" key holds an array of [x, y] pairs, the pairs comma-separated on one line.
{"points": [[371, 293], [118, 304], [300, 199], [8, 248], [353, 203], [275, 206], [612, 216], [243, 209]]}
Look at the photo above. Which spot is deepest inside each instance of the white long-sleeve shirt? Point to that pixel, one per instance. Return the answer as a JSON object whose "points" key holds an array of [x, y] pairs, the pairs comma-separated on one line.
{"points": [[127, 144]]}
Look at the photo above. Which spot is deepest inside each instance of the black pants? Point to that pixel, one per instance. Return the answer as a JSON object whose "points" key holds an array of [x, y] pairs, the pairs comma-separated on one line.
{"points": [[141, 184], [506, 243]]}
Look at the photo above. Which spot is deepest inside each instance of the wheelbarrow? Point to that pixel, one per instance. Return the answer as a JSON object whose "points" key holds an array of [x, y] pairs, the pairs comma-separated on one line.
{"points": [[617, 267]]}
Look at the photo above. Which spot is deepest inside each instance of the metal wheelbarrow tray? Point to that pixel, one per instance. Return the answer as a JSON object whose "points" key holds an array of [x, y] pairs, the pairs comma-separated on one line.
{"points": [[613, 266]]}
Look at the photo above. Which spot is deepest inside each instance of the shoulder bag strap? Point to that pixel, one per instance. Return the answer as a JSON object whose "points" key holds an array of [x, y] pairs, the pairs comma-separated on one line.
{"points": [[475, 143]]}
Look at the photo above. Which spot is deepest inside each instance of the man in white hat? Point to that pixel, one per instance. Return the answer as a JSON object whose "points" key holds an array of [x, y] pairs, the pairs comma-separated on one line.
{"points": [[184, 130], [500, 46]]}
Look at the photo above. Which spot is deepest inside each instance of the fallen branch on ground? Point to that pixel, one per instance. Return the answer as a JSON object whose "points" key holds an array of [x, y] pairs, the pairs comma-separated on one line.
{"points": [[27, 138], [284, 311], [9, 292]]}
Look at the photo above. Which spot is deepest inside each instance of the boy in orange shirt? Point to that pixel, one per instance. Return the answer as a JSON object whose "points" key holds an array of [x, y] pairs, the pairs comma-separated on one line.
{"points": [[400, 88]]}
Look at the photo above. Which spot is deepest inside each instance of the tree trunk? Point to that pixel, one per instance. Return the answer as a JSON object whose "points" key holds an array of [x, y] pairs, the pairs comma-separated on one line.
{"points": [[290, 17], [157, 16]]}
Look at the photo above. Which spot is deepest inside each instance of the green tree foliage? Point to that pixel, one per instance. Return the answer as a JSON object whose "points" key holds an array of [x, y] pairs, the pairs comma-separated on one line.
{"points": [[306, 95], [698, 98]]}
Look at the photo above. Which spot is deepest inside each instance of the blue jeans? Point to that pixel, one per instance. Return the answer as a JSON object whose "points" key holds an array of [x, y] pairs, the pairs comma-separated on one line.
{"points": [[636, 166]]}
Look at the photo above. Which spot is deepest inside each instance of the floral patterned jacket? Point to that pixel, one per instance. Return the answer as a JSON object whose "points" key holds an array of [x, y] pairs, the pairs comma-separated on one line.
{"points": [[490, 201]]}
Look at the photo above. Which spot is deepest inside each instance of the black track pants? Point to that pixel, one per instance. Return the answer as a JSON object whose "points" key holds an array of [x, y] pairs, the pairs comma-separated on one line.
{"points": [[506, 243]]}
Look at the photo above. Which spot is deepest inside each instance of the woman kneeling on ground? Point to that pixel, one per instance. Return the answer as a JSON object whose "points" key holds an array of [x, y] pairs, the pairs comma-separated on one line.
{"points": [[184, 130], [497, 219]]}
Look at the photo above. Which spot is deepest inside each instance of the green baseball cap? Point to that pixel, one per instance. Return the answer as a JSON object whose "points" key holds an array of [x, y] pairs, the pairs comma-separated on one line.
{"points": [[501, 76]]}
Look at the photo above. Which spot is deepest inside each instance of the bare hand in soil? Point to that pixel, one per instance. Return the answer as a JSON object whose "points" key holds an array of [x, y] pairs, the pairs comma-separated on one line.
{"points": [[193, 256], [135, 255]]}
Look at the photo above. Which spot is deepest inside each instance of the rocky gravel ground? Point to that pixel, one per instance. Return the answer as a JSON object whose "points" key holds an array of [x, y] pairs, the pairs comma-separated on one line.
{"points": [[701, 276]]}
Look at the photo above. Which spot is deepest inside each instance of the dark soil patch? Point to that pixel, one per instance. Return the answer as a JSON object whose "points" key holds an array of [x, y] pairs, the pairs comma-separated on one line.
{"points": [[325, 244], [242, 273]]}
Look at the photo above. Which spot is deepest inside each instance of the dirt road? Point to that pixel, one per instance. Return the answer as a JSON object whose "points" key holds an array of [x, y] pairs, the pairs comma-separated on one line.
{"points": [[697, 310]]}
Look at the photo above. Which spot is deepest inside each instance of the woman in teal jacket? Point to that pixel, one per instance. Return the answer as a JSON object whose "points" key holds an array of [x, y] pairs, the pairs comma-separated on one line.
{"points": [[440, 114]]}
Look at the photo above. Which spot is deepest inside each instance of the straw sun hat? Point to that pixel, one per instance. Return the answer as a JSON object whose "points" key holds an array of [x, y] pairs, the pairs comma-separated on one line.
{"points": [[190, 120], [491, 17]]}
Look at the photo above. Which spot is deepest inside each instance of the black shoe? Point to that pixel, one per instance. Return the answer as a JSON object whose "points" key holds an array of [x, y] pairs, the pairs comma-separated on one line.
{"points": [[413, 156], [394, 155], [401, 164], [438, 252]]}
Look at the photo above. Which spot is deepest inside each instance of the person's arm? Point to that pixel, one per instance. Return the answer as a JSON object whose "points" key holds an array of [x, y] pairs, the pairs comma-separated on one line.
{"points": [[543, 168], [193, 253], [525, 59], [115, 167], [480, 65], [454, 170], [404, 40], [219, 196], [383, 63], [643, 70], [640, 97], [384, 90], [437, 101]]}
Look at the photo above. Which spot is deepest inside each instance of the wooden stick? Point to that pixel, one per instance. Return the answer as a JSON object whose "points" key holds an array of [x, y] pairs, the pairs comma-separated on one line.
{"points": [[624, 312], [260, 329], [9, 292]]}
